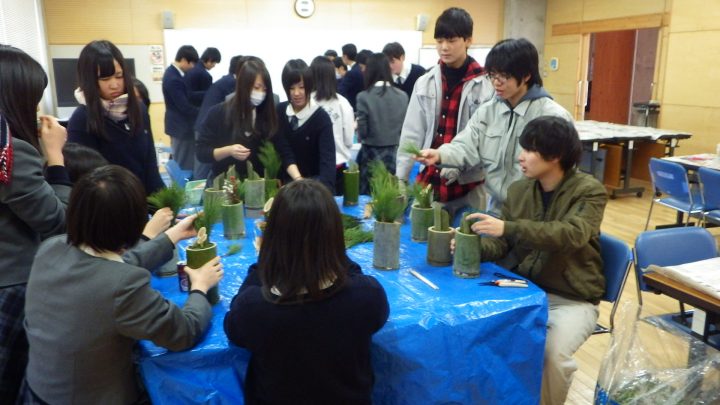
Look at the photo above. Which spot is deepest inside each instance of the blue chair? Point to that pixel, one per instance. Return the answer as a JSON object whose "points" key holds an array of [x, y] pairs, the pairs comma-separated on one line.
{"points": [[617, 258], [671, 179], [710, 190], [670, 247], [178, 175]]}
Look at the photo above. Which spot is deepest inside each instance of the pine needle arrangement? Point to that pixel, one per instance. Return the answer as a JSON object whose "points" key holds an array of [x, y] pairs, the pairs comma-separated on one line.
{"points": [[203, 223], [234, 188], [349, 221], [251, 173], [387, 200], [355, 236], [422, 194], [172, 197], [270, 159], [410, 149]]}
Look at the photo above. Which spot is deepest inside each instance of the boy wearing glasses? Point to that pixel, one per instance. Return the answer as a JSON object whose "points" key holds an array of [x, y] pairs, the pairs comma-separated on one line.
{"points": [[442, 102], [489, 142]]}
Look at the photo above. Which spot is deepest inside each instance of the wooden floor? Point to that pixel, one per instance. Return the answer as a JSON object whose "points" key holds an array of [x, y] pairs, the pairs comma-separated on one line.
{"points": [[625, 219]]}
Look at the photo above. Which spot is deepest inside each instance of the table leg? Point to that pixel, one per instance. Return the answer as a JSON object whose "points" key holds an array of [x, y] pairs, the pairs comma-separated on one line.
{"points": [[628, 148]]}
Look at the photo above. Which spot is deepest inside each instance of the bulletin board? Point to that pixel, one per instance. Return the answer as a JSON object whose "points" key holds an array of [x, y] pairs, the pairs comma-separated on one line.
{"points": [[276, 47]]}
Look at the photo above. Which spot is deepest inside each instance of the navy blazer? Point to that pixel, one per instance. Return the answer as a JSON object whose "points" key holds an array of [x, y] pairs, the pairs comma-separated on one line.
{"points": [[180, 114], [200, 81], [215, 95], [352, 84]]}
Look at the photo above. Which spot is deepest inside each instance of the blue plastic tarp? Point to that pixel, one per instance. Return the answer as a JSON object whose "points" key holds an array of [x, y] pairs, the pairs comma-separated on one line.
{"points": [[464, 343]]}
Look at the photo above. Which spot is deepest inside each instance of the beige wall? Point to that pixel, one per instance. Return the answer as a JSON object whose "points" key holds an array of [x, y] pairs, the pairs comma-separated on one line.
{"points": [[138, 22], [686, 78]]}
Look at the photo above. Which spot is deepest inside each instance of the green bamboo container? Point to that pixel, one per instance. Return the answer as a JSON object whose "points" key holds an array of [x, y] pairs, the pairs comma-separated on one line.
{"points": [[351, 180], [271, 188], [255, 194], [438, 247], [420, 220], [196, 258], [386, 246], [466, 262], [233, 220]]}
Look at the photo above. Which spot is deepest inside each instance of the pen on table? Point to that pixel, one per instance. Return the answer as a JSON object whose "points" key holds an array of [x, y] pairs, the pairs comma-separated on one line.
{"points": [[424, 280]]}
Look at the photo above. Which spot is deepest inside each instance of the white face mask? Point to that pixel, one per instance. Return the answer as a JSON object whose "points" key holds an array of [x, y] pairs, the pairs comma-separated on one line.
{"points": [[257, 97]]}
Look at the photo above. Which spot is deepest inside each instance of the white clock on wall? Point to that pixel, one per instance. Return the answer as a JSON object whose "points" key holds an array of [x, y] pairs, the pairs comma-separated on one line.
{"points": [[305, 8]]}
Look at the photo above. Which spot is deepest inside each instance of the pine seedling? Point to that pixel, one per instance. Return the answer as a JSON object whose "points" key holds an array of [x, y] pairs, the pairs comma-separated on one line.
{"points": [[422, 194], [410, 149], [387, 201], [270, 159], [173, 197]]}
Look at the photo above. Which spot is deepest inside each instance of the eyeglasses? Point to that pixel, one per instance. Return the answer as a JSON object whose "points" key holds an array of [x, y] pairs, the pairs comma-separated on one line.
{"points": [[500, 77]]}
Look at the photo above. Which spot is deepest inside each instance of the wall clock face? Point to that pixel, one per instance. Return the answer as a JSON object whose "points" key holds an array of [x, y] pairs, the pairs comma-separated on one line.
{"points": [[304, 8]]}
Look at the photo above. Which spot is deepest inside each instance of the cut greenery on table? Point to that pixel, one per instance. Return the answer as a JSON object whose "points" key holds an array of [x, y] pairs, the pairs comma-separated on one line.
{"points": [[387, 200], [355, 236]]}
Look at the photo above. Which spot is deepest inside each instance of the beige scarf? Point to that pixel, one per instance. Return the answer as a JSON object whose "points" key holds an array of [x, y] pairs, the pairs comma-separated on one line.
{"points": [[115, 109]]}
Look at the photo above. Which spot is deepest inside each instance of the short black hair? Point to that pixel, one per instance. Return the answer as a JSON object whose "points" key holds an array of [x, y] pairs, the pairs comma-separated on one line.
{"points": [[81, 160], [187, 52], [331, 52], [295, 71], [393, 50], [363, 56], [517, 58], [211, 55], [338, 62], [107, 210], [350, 51], [234, 64], [453, 23], [553, 138]]}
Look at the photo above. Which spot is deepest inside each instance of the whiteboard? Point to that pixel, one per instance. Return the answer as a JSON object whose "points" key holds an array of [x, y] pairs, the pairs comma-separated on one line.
{"points": [[275, 47], [428, 55], [143, 69]]}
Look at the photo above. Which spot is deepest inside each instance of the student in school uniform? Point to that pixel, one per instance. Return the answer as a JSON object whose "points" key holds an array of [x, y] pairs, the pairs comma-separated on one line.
{"points": [[404, 75], [305, 138], [32, 205], [330, 54], [305, 311], [180, 113], [440, 107], [89, 300], [380, 114], [110, 118], [234, 130], [216, 94], [199, 78], [488, 146], [340, 112], [362, 58], [353, 81], [549, 232]]}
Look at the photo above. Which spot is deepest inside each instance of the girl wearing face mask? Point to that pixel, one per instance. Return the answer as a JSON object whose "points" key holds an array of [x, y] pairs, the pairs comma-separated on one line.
{"points": [[233, 130], [110, 119]]}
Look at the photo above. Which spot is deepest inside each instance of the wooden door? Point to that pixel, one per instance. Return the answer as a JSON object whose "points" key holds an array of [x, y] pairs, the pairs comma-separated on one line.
{"points": [[612, 67]]}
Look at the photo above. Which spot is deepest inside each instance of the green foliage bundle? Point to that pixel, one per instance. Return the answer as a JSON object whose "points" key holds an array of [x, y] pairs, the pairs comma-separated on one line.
{"points": [[349, 221], [387, 201], [355, 236], [441, 218], [422, 194], [410, 149], [251, 173], [205, 219], [173, 197], [270, 159]]}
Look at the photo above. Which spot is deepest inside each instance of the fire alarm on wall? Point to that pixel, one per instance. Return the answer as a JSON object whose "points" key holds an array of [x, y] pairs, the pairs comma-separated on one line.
{"points": [[304, 8]]}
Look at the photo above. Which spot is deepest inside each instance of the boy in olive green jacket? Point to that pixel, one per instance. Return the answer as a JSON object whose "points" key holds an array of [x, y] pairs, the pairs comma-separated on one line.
{"points": [[549, 233]]}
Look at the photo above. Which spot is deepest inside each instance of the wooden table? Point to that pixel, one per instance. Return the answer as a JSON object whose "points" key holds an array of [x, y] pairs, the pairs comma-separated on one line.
{"points": [[683, 293]]}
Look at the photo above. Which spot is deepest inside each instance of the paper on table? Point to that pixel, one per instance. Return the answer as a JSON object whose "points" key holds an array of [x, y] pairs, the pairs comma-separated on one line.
{"points": [[703, 275]]}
